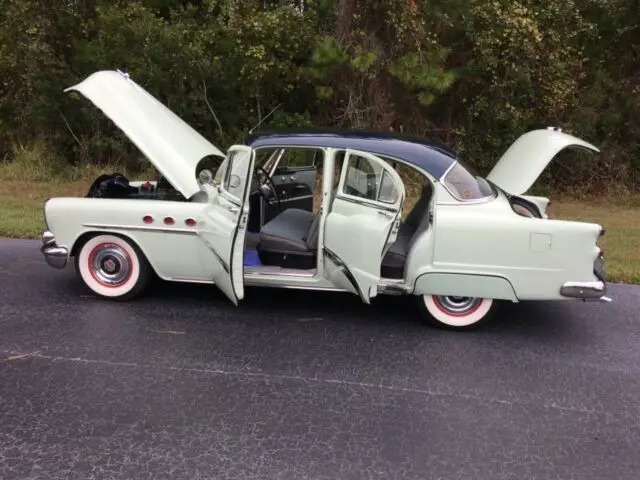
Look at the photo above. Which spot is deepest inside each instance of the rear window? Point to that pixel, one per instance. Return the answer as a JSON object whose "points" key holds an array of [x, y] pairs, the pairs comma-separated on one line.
{"points": [[465, 185]]}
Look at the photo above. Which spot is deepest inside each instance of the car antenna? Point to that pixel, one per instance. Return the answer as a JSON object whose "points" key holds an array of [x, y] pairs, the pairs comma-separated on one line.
{"points": [[264, 118]]}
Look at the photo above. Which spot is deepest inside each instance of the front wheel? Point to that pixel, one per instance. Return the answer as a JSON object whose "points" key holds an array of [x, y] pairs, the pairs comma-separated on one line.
{"points": [[113, 267], [456, 313]]}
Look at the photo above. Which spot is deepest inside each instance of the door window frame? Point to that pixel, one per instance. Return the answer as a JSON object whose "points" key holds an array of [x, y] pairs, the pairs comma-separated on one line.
{"points": [[228, 168], [348, 153]]}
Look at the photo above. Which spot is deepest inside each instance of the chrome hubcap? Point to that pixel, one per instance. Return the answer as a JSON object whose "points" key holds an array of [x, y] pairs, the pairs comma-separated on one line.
{"points": [[457, 305], [111, 265]]}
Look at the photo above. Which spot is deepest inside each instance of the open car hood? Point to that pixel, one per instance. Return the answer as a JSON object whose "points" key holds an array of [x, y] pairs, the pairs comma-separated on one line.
{"points": [[528, 156], [165, 139]]}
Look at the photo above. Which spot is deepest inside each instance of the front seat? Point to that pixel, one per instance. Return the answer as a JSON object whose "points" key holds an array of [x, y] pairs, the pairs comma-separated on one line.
{"points": [[290, 240]]}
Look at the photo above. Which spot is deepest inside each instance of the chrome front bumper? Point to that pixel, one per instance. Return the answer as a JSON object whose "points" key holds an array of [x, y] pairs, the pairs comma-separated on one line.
{"points": [[55, 255]]}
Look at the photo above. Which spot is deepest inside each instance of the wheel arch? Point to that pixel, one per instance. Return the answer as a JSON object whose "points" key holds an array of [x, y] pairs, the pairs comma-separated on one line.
{"points": [[495, 287]]}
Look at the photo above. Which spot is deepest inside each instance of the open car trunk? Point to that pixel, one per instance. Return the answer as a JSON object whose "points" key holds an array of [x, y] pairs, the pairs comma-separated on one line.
{"points": [[529, 155]]}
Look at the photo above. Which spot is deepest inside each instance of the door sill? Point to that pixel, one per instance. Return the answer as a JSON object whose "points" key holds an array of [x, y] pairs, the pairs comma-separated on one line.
{"points": [[274, 271]]}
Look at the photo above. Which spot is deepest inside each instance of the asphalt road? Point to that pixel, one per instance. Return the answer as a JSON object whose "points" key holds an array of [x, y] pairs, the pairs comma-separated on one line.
{"points": [[303, 385]]}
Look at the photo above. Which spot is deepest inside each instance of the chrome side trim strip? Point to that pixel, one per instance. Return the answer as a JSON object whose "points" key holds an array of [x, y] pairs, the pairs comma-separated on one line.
{"points": [[191, 280], [179, 231]]}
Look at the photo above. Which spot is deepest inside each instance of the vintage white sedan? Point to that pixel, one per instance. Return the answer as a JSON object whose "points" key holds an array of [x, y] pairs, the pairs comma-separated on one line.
{"points": [[248, 217]]}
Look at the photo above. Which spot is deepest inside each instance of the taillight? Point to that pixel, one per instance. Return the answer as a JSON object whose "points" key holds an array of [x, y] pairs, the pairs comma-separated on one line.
{"points": [[602, 231], [601, 253]]}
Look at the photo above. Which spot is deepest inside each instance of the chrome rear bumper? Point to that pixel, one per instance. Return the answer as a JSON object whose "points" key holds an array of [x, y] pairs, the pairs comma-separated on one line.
{"points": [[585, 290], [55, 255]]}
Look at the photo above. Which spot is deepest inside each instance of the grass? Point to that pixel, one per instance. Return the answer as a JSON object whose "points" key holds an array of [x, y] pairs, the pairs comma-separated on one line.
{"points": [[621, 220], [24, 189], [21, 214]]}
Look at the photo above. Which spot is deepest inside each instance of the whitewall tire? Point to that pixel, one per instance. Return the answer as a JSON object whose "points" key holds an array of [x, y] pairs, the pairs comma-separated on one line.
{"points": [[112, 267], [456, 313]]}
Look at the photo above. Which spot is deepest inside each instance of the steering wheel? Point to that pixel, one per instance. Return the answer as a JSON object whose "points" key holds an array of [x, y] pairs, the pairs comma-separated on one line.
{"points": [[267, 191]]}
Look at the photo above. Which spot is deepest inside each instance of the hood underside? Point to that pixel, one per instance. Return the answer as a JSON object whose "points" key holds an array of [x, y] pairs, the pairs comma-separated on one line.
{"points": [[169, 143], [529, 155]]}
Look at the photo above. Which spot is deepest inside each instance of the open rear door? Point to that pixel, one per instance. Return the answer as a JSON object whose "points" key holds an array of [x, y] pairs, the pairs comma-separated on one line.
{"points": [[362, 224], [223, 223]]}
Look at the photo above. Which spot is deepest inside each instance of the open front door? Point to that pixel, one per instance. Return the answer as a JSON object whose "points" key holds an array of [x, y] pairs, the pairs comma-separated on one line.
{"points": [[362, 224], [223, 223]]}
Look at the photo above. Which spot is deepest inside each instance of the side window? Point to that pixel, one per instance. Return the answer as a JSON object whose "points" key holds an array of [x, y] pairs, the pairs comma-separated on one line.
{"points": [[388, 192], [300, 158], [220, 172], [236, 173], [367, 179]]}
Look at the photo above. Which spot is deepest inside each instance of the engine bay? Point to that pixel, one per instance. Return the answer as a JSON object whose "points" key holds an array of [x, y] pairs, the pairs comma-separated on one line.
{"points": [[116, 185]]}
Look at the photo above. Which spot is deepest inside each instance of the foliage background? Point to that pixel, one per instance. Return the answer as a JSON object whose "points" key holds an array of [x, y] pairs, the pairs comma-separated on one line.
{"points": [[473, 74]]}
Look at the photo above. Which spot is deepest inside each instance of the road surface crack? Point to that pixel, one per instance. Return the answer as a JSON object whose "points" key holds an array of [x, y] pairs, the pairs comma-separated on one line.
{"points": [[15, 356]]}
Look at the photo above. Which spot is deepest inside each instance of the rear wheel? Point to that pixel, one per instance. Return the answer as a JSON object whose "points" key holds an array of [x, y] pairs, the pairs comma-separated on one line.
{"points": [[454, 312], [113, 267]]}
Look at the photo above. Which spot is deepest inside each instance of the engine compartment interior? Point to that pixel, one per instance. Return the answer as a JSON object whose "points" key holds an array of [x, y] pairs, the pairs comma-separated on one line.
{"points": [[116, 185]]}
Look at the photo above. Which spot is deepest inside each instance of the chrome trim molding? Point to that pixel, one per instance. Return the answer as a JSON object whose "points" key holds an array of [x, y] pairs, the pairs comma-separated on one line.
{"points": [[441, 179], [226, 267], [462, 201], [291, 199], [191, 280], [583, 290], [255, 282], [345, 270], [179, 231], [258, 273], [55, 255]]}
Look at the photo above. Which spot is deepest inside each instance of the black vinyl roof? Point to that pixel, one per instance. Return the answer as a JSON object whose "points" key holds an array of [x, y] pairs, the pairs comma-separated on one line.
{"points": [[432, 158]]}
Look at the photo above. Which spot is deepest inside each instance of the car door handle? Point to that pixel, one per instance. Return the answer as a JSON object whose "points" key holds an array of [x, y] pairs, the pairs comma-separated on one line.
{"points": [[385, 214], [233, 208]]}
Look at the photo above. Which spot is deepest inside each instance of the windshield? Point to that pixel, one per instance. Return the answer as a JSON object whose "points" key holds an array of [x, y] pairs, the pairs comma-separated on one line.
{"points": [[465, 185]]}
